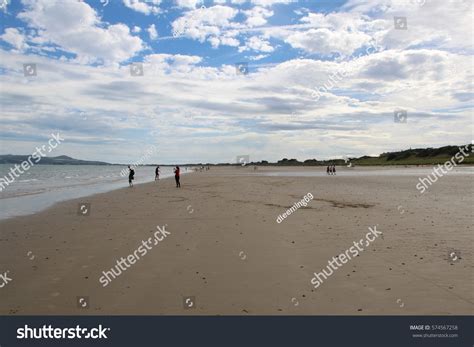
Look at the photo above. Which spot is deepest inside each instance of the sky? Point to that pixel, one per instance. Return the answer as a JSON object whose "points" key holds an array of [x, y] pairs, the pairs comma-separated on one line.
{"points": [[210, 80]]}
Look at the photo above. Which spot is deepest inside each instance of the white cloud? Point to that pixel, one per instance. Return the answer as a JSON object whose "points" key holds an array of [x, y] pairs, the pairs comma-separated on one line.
{"points": [[341, 33], [152, 32], [208, 24], [136, 29], [325, 41], [257, 16], [223, 40], [428, 24], [188, 3], [74, 27], [174, 59], [258, 44], [144, 6], [234, 2], [258, 57], [173, 63], [426, 70], [15, 38], [228, 109], [268, 3], [263, 3]]}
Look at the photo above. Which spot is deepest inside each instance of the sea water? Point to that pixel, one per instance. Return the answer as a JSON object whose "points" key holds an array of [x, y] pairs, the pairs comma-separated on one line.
{"points": [[43, 185]]}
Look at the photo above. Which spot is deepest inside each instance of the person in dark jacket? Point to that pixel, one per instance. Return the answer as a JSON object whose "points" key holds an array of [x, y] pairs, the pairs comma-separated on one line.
{"points": [[176, 177], [131, 176]]}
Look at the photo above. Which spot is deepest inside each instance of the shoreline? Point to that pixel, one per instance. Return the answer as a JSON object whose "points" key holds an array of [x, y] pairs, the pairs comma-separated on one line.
{"points": [[267, 171], [226, 250], [26, 202]]}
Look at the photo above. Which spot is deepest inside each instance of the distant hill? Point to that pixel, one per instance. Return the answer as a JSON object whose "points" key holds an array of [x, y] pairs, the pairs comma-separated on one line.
{"points": [[60, 160], [417, 156]]}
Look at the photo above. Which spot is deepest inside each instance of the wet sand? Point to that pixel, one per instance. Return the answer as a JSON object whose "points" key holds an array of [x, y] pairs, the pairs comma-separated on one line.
{"points": [[226, 249]]}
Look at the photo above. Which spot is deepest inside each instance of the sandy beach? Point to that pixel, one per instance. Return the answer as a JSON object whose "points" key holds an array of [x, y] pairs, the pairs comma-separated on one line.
{"points": [[226, 250]]}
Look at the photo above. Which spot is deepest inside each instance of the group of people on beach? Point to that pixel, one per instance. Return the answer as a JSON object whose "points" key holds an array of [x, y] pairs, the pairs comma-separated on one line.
{"points": [[203, 168], [176, 170], [331, 169]]}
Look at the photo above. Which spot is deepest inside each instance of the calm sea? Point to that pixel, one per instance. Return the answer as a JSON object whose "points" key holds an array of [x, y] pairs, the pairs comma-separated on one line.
{"points": [[43, 185]]}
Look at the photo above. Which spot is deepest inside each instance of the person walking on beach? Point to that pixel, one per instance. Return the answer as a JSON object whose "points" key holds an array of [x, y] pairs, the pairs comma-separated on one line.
{"points": [[131, 174], [176, 177], [328, 171], [334, 169], [157, 173]]}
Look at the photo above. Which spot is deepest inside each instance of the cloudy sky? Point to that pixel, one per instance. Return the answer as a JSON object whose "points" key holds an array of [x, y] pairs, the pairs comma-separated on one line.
{"points": [[213, 79]]}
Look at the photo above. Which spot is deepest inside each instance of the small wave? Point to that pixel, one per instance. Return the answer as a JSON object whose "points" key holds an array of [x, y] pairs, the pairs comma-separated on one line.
{"points": [[31, 180], [9, 195]]}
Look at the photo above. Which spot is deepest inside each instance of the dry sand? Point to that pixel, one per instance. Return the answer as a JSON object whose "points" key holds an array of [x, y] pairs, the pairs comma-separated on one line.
{"points": [[226, 249]]}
